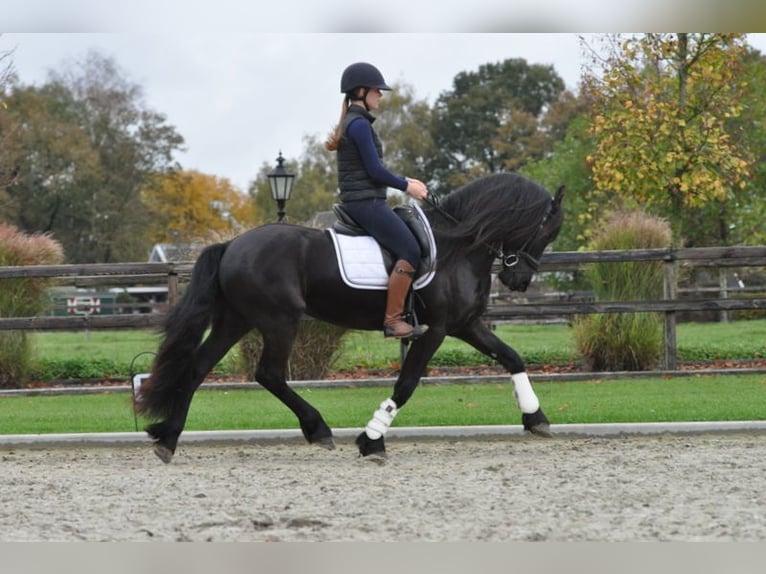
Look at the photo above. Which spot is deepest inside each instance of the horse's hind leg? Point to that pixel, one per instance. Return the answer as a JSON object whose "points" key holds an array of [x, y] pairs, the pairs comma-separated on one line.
{"points": [[271, 374], [227, 329]]}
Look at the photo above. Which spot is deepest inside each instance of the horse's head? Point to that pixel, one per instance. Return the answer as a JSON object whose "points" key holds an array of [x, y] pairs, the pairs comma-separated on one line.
{"points": [[520, 265]]}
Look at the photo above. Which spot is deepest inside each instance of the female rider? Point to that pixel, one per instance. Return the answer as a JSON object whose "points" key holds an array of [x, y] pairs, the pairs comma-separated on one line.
{"points": [[363, 180]]}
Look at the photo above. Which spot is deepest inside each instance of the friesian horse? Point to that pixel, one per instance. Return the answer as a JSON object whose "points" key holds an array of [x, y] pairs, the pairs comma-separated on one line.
{"points": [[271, 276]]}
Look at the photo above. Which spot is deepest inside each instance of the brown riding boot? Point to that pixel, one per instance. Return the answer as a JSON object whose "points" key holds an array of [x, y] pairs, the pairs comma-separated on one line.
{"points": [[399, 283]]}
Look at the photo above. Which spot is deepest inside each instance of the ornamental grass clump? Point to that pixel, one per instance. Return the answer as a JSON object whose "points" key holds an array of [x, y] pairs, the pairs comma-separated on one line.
{"points": [[624, 341], [22, 297], [315, 350]]}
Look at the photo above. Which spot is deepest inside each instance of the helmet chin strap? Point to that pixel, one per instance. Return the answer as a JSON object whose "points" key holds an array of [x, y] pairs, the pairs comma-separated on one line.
{"points": [[363, 99]]}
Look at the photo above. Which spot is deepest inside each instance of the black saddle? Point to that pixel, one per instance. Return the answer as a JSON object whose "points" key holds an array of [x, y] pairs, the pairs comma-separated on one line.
{"points": [[345, 225]]}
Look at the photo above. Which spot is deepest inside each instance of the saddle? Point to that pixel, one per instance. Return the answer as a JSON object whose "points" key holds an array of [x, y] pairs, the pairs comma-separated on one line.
{"points": [[364, 264]]}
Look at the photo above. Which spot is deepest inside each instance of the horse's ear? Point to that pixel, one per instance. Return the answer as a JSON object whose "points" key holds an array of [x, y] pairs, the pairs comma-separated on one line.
{"points": [[558, 198]]}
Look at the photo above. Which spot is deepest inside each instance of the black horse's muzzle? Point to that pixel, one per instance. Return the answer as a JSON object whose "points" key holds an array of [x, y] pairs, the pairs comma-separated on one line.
{"points": [[518, 269]]}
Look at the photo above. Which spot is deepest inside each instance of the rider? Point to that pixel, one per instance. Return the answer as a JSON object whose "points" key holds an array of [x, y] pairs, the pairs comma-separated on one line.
{"points": [[363, 179]]}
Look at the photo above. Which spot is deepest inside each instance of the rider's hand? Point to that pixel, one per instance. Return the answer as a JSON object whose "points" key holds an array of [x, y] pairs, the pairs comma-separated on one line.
{"points": [[416, 188]]}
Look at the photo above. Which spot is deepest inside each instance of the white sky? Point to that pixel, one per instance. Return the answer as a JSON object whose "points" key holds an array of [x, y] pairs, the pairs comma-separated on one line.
{"points": [[239, 94]]}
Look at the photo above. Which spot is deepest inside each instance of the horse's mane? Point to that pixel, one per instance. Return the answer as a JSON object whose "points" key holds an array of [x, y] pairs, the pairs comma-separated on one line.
{"points": [[494, 209]]}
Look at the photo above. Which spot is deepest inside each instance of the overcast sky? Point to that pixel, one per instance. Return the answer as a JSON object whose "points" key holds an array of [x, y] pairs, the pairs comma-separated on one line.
{"points": [[239, 98]]}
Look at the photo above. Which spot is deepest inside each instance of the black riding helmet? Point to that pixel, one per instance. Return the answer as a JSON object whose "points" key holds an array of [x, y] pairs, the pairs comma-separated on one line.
{"points": [[362, 75]]}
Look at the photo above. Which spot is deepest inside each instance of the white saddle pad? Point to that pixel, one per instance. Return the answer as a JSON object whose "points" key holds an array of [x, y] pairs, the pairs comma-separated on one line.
{"points": [[361, 263]]}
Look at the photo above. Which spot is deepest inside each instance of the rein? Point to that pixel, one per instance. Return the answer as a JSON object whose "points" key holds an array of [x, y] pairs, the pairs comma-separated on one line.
{"points": [[512, 259]]}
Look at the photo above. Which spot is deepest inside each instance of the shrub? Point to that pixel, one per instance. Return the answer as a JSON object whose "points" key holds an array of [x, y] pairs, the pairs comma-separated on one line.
{"points": [[628, 341], [78, 368], [22, 297], [315, 350]]}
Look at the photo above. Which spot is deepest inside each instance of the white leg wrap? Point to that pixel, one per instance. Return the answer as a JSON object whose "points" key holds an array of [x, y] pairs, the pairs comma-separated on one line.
{"points": [[525, 396], [381, 419]]}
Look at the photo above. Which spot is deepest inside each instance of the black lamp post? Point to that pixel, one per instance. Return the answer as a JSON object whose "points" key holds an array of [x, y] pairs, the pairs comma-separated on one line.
{"points": [[281, 182]]}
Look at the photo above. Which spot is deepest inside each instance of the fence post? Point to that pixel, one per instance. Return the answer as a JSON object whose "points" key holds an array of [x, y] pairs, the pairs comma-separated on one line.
{"points": [[172, 286], [670, 292], [724, 293]]}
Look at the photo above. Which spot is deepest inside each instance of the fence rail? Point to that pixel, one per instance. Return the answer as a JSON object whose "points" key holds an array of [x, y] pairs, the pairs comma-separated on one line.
{"points": [[173, 275]]}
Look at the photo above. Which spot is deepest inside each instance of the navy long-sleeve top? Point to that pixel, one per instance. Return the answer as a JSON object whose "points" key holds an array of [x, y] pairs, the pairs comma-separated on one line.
{"points": [[360, 132]]}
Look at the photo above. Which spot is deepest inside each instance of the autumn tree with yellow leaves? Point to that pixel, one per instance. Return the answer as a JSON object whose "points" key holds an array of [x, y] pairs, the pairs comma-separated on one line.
{"points": [[663, 120], [189, 206]]}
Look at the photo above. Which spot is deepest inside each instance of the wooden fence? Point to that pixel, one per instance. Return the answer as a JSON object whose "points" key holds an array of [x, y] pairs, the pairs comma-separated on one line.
{"points": [[173, 275]]}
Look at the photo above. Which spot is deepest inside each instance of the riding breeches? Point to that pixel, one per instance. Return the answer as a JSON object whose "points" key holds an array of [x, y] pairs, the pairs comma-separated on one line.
{"points": [[388, 229]]}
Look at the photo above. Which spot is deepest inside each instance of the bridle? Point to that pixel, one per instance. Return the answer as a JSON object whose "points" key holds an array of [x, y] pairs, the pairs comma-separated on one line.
{"points": [[509, 260], [522, 252]]}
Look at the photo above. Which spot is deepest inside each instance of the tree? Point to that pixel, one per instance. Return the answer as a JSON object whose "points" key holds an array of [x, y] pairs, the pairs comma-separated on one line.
{"points": [[50, 155], [743, 219], [404, 125], [662, 112], [87, 147], [567, 165], [189, 206], [7, 129], [491, 120]]}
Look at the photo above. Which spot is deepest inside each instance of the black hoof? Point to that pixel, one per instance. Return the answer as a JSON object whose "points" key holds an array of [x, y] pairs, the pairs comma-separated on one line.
{"points": [[163, 452], [537, 423], [165, 441], [371, 448], [326, 443], [319, 434]]}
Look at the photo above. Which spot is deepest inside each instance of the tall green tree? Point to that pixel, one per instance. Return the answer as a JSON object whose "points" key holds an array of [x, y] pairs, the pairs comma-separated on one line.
{"points": [[88, 146], [7, 129], [663, 107], [404, 125], [491, 120], [567, 165], [743, 219], [51, 155]]}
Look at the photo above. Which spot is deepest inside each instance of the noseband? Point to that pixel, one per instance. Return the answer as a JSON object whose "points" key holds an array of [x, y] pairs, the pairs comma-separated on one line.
{"points": [[512, 259], [523, 252]]}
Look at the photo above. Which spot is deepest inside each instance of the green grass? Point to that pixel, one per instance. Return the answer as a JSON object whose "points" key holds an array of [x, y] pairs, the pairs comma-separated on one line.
{"points": [[554, 343], [698, 398], [99, 353], [536, 343]]}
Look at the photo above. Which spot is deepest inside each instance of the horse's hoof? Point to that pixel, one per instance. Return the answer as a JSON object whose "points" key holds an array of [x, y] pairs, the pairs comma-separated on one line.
{"points": [[163, 452], [543, 429], [537, 423], [326, 443], [369, 447]]}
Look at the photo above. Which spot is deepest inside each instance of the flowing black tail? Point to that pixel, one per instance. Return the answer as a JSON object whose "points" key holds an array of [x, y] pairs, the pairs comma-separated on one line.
{"points": [[173, 369]]}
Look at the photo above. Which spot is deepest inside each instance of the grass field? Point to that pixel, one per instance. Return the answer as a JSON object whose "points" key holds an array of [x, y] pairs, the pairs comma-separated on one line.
{"points": [[698, 398], [113, 351]]}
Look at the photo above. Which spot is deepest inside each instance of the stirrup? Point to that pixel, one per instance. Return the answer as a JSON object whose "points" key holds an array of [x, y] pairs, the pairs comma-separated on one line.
{"points": [[417, 332]]}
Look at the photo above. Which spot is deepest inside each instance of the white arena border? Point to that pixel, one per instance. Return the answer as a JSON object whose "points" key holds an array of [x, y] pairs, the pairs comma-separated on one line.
{"points": [[401, 433]]}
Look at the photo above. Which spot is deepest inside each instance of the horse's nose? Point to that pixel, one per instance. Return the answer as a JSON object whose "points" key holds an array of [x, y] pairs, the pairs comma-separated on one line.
{"points": [[522, 285]]}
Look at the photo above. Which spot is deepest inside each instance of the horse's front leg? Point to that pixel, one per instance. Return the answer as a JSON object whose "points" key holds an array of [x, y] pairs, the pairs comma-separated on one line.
{"points": [[485, 341], [371, 442]]}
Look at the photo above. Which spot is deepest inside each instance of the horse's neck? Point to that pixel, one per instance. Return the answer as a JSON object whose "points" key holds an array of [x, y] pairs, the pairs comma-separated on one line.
{"points": [[478, 262]]}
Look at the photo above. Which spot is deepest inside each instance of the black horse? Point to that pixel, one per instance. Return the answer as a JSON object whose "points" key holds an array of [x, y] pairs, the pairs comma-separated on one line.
{"points": [[270, 276]]}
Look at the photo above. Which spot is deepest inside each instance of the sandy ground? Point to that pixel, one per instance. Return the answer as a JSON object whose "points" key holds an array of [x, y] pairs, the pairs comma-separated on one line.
{"points": [[684, 488]]}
